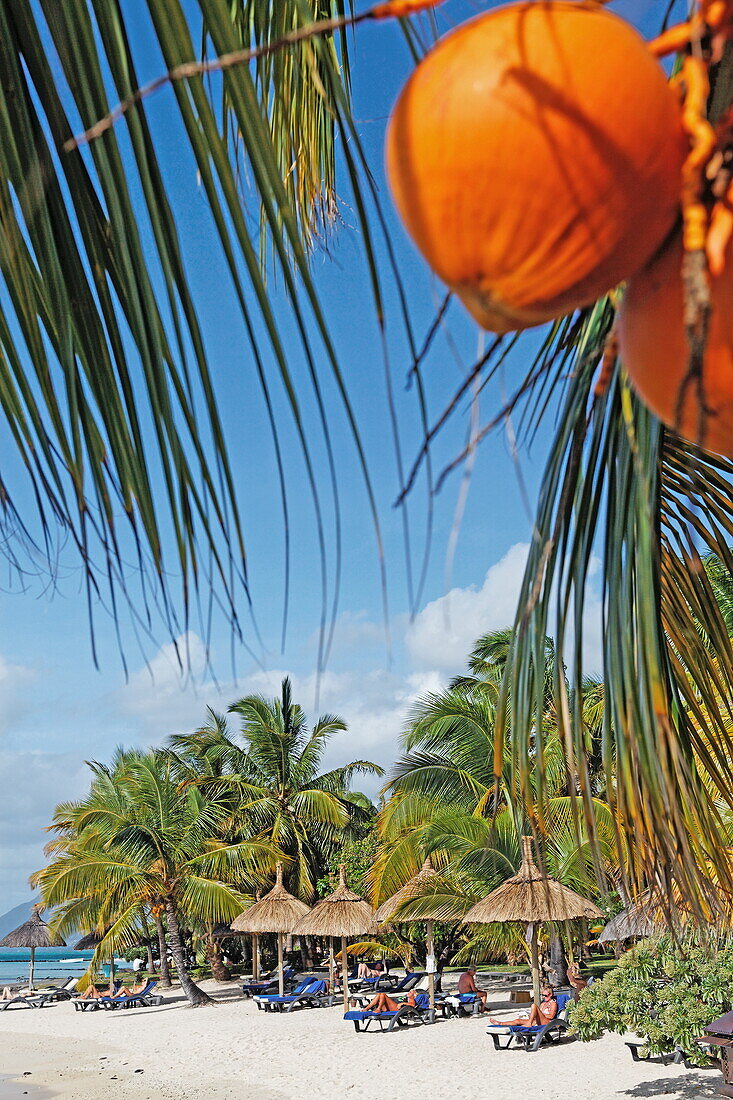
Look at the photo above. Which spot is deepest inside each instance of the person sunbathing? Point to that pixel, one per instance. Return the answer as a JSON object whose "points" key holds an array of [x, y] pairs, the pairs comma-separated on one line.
{"points": [[7, 994], [384, 1003], [125, 992], [543, 1013], [577, 983], [366, 971], [92, 993]]}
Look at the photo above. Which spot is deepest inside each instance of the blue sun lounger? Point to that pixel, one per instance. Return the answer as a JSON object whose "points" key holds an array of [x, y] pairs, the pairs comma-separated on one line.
{"points": [[532, 1038], [405, 1016], [128, 1000], [404, 985], [269, 984], [83, 1003], [311, 993]]}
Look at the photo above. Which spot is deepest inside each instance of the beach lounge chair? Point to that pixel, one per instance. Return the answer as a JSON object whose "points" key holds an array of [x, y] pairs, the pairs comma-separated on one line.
{"points": [[533, 1037], [402, 986], [311, 993], [129, 1000], [405, 1016], [352, 976], [24, 1001], [82, 1003], [269, 984], [61, 993], [463, 1004]]}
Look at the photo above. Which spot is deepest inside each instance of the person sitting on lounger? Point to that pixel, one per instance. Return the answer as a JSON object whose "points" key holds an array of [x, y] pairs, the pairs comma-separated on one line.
{"points": [[577, 983], [366, 971], [543, 1013], [467, 984]]}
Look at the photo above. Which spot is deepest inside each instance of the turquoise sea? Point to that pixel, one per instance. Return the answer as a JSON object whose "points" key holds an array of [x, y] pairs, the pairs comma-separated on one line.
{"points": [[52, 962]]}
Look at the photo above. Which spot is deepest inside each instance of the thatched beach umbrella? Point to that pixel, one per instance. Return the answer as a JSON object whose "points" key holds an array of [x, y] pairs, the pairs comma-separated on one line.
{"points": [[420, 884], [636, 920], [277, 912], [89, 943], [34, 933], [531, 898], [342, 914]]}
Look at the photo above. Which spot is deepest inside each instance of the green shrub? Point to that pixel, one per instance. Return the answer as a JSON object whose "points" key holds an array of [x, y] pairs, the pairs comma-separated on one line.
{"points": [[665, 990]]}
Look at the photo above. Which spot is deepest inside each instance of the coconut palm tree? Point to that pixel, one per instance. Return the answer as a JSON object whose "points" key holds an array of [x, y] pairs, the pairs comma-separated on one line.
{"points": [[270, 772], [107, 392], [140, 838]]}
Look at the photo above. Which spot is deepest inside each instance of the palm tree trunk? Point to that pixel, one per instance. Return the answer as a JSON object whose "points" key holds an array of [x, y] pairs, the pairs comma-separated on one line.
{"points": [[219, 971], [558, 962], [165, 972], [148, 948], [195, 995]]}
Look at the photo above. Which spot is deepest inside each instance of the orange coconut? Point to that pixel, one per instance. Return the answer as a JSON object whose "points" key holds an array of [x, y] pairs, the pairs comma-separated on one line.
{"points": [[655, 352], [534, 156]]}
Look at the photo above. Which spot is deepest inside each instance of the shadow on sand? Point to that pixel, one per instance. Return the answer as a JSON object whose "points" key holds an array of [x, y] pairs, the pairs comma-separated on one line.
{"points": [[693, 1086]]}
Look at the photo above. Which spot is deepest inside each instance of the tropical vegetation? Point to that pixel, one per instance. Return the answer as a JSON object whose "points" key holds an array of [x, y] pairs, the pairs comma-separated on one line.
{"points": [[109, 398], [113, 410], [666, 990], [183, 840]]}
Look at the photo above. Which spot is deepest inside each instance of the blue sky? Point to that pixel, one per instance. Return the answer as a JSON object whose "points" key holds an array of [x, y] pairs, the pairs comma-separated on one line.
{"points": [[56, 709]]}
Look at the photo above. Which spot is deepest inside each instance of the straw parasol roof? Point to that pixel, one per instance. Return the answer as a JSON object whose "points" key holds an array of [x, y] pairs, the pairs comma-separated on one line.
{"points": [[342, 913], [530, 897], [634, 921], [34, 933], [415, 887], [278, 911], [88, 942]]}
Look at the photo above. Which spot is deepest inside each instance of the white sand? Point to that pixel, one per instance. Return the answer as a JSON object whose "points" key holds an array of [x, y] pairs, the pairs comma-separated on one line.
{"points": [[232, 1050]]}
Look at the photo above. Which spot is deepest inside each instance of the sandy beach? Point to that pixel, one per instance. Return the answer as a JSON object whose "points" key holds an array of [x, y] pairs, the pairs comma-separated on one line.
{"points": [[232, 1050]]}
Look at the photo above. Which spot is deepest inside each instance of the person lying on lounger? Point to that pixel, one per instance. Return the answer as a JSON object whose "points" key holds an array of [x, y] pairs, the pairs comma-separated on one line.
{"points": [[92, 992], [384, 1003], [7, 994], [125, 992], [543, 1013], [366, 971]]}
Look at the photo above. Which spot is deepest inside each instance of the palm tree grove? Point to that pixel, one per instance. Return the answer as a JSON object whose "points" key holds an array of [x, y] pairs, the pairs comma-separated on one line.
{"points": [[366, 524]]}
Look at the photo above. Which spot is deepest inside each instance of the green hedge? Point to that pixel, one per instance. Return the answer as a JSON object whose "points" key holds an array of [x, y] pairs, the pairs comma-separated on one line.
{"points": [[665, 990]]}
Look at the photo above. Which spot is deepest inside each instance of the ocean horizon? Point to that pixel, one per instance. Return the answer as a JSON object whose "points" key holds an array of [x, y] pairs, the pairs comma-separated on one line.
{"points": [[51, 963]]}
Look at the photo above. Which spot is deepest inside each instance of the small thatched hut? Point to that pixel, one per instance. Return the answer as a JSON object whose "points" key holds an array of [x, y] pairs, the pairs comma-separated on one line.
{"points": [[277, 912], [531, 898], [30, 935], [647, 914], [342, 914], [420, 884]]}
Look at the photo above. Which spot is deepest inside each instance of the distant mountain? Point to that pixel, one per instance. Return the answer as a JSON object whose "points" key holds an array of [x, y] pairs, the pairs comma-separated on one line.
{"points": [[17, 916]]}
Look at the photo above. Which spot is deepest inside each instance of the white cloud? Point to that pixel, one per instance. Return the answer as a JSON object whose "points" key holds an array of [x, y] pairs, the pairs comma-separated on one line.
{"points": [[15, 680], [32, 784], [443, 633]]}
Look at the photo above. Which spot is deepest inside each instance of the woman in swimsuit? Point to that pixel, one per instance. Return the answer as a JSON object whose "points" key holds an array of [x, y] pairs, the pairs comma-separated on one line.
{"points": [[384, 1003], [543, 1013]]}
